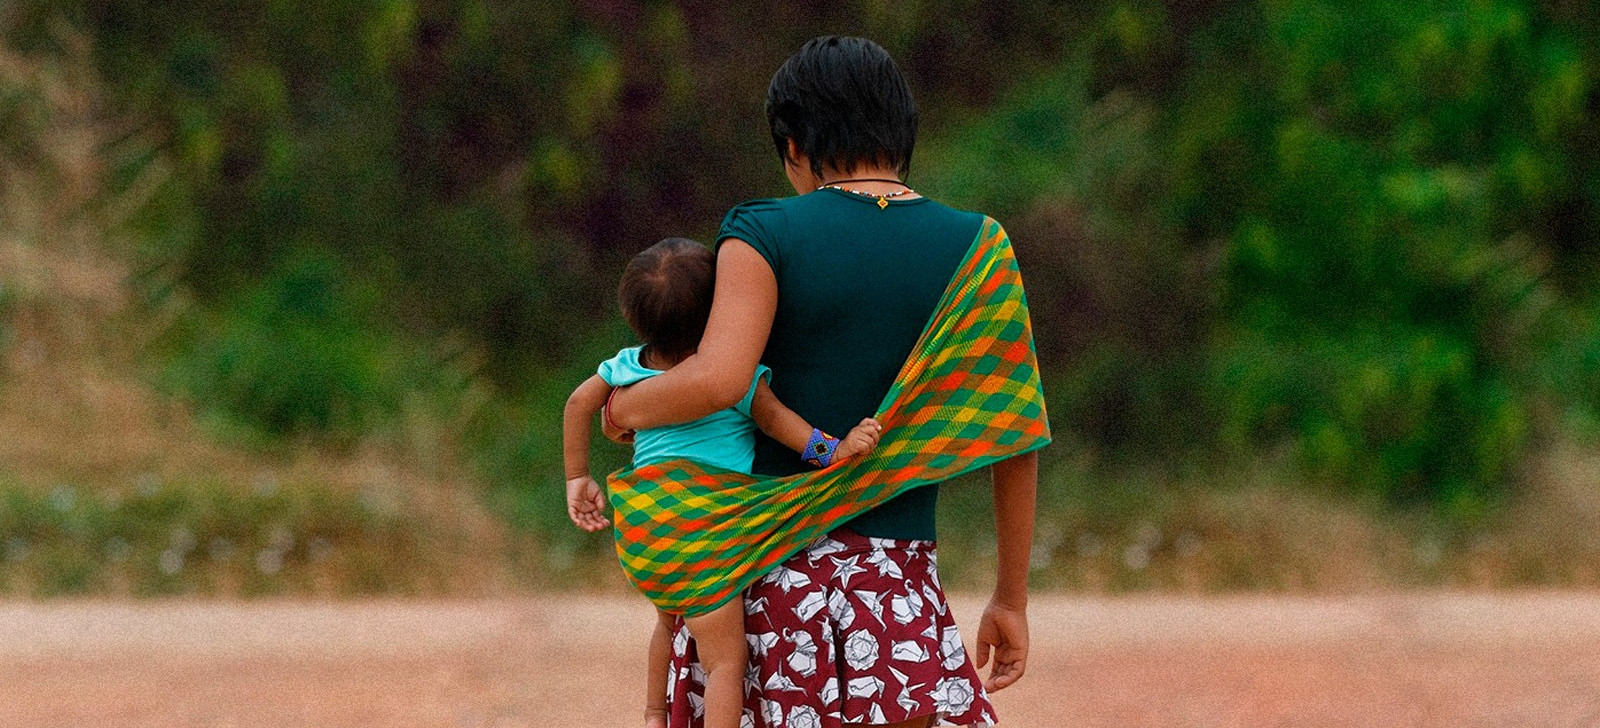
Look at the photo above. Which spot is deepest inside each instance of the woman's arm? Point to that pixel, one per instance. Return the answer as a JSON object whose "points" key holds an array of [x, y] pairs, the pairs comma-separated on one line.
{"points": [[717, 376], [585, 502], [1004, 627]]}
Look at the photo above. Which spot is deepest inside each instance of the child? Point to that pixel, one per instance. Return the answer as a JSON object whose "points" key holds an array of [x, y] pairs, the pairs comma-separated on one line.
{"points": [[666, 297]]}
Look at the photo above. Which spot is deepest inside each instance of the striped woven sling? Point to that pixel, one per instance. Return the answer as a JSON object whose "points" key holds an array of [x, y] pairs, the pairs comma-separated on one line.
{"points": [[691, 537]]}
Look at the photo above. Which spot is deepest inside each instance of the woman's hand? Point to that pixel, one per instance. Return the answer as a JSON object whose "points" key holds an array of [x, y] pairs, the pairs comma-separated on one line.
{"points": [[1004, 630], [861, 439], [586, 504]]}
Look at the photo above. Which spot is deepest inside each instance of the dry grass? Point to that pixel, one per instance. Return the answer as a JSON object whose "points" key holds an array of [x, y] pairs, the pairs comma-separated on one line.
{"points": [[74, 408], [1264, 529]]}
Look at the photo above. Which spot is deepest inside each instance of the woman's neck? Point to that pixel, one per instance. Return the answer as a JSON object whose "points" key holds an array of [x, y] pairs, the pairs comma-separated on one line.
{"points": [[867, 174], [801, 176]]}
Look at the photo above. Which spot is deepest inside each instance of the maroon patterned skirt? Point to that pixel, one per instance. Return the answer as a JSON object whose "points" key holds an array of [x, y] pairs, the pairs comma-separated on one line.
{"points": [[851, 630]]}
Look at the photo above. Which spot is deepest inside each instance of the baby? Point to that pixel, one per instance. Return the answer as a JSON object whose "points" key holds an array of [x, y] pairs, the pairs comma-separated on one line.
{"points": [[665, 297]]}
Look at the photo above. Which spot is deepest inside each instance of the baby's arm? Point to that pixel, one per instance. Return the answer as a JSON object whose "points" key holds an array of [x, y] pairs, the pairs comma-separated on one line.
{"points": [[784, 425], [586, 503]]}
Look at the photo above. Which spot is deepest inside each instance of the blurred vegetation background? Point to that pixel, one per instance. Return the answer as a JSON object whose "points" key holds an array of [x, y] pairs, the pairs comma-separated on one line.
{"points": [[1314, 282]]}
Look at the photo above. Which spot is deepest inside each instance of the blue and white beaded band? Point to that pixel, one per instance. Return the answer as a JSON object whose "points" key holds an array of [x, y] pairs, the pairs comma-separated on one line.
{"points": [[820, 449]]}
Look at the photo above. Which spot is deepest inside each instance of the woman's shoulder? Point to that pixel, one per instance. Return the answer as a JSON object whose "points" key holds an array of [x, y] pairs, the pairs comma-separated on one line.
{"points": [[764, 212], [762, 205], [761, 223]]}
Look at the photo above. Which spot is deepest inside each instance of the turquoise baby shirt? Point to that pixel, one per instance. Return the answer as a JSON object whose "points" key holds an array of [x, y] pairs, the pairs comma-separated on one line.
{"points": [[725, 439]]}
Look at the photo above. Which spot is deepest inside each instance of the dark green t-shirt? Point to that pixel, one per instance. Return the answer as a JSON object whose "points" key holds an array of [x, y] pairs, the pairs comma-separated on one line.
{"points": [[856, 285]]}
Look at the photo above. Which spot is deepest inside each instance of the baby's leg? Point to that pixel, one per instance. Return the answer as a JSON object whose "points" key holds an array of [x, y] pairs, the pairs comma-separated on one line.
{"points": [[657, 663], [719, 638]]}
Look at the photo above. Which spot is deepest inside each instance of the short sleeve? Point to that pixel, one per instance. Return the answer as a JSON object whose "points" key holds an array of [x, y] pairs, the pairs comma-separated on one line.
{"points": [[624, 368], [759, 223], [762, 372]]}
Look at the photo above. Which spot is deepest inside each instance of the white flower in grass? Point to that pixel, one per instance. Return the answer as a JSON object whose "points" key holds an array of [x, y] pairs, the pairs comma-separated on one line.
{"points": [[804, 716], [861, 650], [956, 693]]}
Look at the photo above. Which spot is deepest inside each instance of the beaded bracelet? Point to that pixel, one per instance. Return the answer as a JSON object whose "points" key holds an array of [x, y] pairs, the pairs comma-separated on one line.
{"points": [[820, 449]]}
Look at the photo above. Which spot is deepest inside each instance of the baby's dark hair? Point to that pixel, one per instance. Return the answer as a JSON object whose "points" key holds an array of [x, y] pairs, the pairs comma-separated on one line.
{"points": [[665, 295]]}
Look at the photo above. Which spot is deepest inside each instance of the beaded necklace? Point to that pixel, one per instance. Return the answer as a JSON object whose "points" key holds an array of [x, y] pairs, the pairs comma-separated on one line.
{"points": [[883, 198]]}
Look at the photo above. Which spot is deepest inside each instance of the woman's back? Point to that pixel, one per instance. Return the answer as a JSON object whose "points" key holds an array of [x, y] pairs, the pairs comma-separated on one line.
{"points": [[856, 286]]}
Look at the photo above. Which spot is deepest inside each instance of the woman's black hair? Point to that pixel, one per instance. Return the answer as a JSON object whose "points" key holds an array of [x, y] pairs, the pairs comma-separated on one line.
{"points": [[843, 102], [665, 296]]}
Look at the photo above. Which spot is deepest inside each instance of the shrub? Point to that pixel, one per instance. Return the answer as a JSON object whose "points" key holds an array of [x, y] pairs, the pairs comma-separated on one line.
{"points": [[298, 354]]}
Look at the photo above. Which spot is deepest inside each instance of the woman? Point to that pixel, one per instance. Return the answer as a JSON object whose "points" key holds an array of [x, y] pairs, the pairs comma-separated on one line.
{"points": [[831, 289]]}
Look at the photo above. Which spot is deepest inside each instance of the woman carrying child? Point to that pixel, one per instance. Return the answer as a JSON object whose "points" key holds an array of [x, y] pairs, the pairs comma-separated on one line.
{"points": [[831, 289], [665, 296]]}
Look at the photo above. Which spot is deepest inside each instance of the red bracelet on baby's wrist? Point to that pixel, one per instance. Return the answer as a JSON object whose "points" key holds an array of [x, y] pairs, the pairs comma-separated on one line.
{"points": [[605, 412]]}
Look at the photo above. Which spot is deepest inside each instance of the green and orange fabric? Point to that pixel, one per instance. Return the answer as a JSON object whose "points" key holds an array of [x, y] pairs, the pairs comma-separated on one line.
{"points": [[692, 537]]}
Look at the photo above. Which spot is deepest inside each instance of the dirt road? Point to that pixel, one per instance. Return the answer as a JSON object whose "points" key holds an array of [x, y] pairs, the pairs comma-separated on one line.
{"points": [[1404, 661]]}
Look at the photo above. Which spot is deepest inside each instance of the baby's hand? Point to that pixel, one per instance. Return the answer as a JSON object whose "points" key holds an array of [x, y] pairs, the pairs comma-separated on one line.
{"points": [[860, 441], [586, 504]]}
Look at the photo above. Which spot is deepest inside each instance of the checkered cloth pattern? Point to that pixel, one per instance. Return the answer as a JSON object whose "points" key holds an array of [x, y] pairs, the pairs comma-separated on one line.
{"points": [[691, 537]]}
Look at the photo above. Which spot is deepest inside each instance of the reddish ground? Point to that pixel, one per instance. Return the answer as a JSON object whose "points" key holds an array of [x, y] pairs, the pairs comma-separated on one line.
{"points": [[1405, 661]]}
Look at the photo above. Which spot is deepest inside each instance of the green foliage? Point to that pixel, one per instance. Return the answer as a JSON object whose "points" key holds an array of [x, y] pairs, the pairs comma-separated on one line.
{"points": [[1384, 284], [1328, 229], [1359, 235], [7, 301], [516, 445], [298, 354]]}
